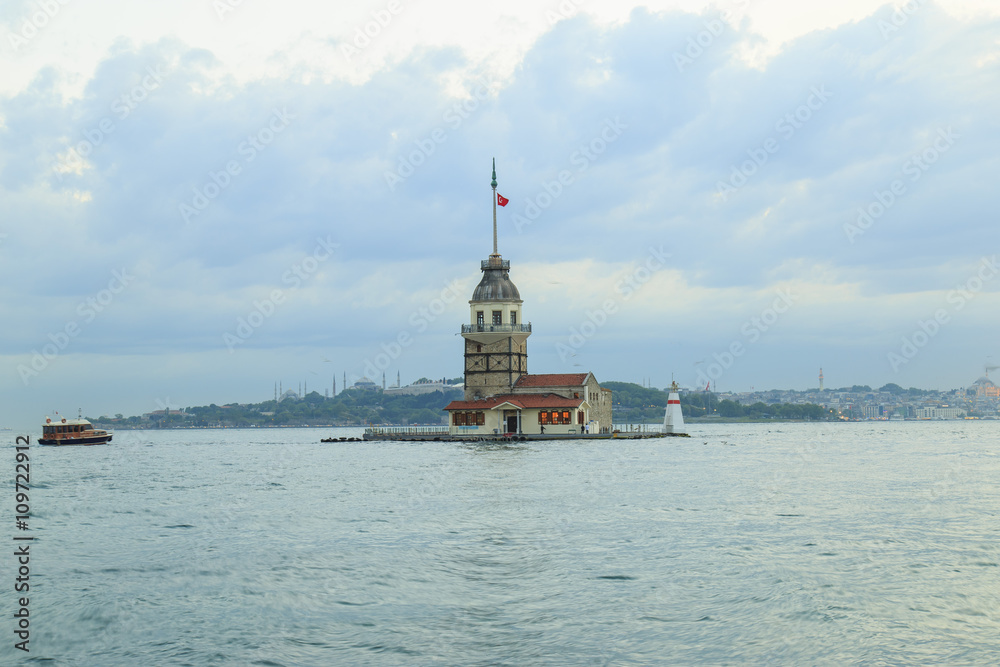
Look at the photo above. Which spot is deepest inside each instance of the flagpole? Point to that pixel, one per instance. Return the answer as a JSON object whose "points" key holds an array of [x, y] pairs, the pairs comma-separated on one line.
{"points": [[494, 185]]}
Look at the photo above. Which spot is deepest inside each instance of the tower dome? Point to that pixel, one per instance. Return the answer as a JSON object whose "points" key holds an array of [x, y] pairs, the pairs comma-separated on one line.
{"points": [[496, 284]]}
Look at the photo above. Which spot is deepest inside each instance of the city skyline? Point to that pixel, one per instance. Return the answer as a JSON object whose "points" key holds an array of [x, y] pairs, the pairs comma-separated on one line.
{"points": [[201, 198]]}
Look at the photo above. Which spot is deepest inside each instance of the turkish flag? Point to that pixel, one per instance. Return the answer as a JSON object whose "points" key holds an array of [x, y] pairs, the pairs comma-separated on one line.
{"points": [[502, 200]]}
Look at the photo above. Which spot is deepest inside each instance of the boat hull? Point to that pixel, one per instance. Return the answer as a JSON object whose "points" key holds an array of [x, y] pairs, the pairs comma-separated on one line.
{"points": [[91, 440]]}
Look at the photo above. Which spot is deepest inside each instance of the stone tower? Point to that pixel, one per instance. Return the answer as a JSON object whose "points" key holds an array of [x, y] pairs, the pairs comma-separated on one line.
{"points": [[496, 338]]}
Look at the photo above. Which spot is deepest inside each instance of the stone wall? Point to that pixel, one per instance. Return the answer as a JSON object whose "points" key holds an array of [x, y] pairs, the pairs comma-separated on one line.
{"points": [[493, 368]]}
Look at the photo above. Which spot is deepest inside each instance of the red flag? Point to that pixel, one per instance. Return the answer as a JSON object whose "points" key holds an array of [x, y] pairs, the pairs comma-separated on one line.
{"points": [[502, 200]]}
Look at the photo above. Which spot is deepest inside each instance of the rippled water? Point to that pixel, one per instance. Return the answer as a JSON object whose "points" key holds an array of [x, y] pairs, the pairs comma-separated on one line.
{"points": [[791, 544]]}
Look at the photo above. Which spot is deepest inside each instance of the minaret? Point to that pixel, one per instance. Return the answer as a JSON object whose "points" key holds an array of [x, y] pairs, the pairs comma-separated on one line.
{"points": [[496, 347], [334, 385], [383, 380], [398, 383], [821, 379]]}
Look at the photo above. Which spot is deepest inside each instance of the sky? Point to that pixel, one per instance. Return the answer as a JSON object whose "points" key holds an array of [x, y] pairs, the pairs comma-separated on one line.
{"points": [[201, 199]]}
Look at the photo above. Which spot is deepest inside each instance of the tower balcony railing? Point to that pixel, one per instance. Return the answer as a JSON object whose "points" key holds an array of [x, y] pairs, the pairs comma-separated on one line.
{"points": [[496, 263], [496, 328]]}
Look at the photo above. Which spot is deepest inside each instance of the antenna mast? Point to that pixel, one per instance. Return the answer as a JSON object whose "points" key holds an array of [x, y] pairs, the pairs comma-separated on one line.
{"points": [[493, 184]]}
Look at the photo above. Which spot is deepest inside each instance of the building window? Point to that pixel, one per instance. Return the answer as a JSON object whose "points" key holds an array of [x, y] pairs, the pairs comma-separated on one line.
{"points": [[480, 419], [543, 417], [459, 419], [497, 317], [479, 348], [513, 318], [576, 394], [566, 418], [479, 319]]}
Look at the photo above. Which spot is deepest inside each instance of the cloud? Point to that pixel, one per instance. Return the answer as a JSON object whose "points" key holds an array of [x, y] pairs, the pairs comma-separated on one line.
{"points": [[614, 145]]}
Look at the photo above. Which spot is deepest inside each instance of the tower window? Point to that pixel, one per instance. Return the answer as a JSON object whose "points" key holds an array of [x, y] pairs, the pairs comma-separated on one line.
{"points": [[513, 317], [497, 317], [479, 318]]}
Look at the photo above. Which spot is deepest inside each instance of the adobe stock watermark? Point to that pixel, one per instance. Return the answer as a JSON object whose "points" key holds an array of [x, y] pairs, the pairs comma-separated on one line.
{"points": [[786, 126], [624, 290], [915, 166], [87, 311], [420, 320], [567, 9], [900, 16], [363, 35], [223, 7], [433, 483], [35, 22], [698, 44], [123, 106], [294, 277], [927, 329], [453, 117], [220, 180], [752, 330], [581, 158]]}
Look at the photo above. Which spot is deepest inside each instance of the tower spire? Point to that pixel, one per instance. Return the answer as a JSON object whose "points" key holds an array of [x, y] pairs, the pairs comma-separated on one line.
{"points": [[493, 184]]}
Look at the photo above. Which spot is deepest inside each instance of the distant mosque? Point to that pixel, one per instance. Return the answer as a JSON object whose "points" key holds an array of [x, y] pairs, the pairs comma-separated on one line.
{"points": [[500, 395]]}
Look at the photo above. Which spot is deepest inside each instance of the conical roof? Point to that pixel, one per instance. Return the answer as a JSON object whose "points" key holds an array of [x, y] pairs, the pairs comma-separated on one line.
{"points": [[496, 284]]}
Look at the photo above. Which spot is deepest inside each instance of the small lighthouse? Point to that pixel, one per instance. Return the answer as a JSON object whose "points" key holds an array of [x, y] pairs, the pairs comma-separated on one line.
{"points": [[673, 419]]}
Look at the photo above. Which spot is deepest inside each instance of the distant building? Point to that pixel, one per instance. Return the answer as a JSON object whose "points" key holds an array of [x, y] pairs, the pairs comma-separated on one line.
{"points": [[939, 413], [365, 385], [289, 395], [985, 389], [874, 412], [159, 414], [417, 388]]}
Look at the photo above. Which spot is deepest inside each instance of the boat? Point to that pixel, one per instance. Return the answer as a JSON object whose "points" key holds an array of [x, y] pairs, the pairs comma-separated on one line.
{"points": [[72, 432]]}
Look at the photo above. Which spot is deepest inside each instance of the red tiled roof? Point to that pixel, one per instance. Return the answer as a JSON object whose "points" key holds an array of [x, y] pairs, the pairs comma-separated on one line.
{"points": [[523, 401], [552, 380]]}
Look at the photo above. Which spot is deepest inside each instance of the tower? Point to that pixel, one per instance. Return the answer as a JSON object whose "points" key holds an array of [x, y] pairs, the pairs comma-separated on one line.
{"points": [[673, 418], [821, 379], [496, 339]]}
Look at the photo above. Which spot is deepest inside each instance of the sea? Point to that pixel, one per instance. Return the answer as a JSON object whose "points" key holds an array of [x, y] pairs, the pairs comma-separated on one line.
{"points": [[871, 543]]}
